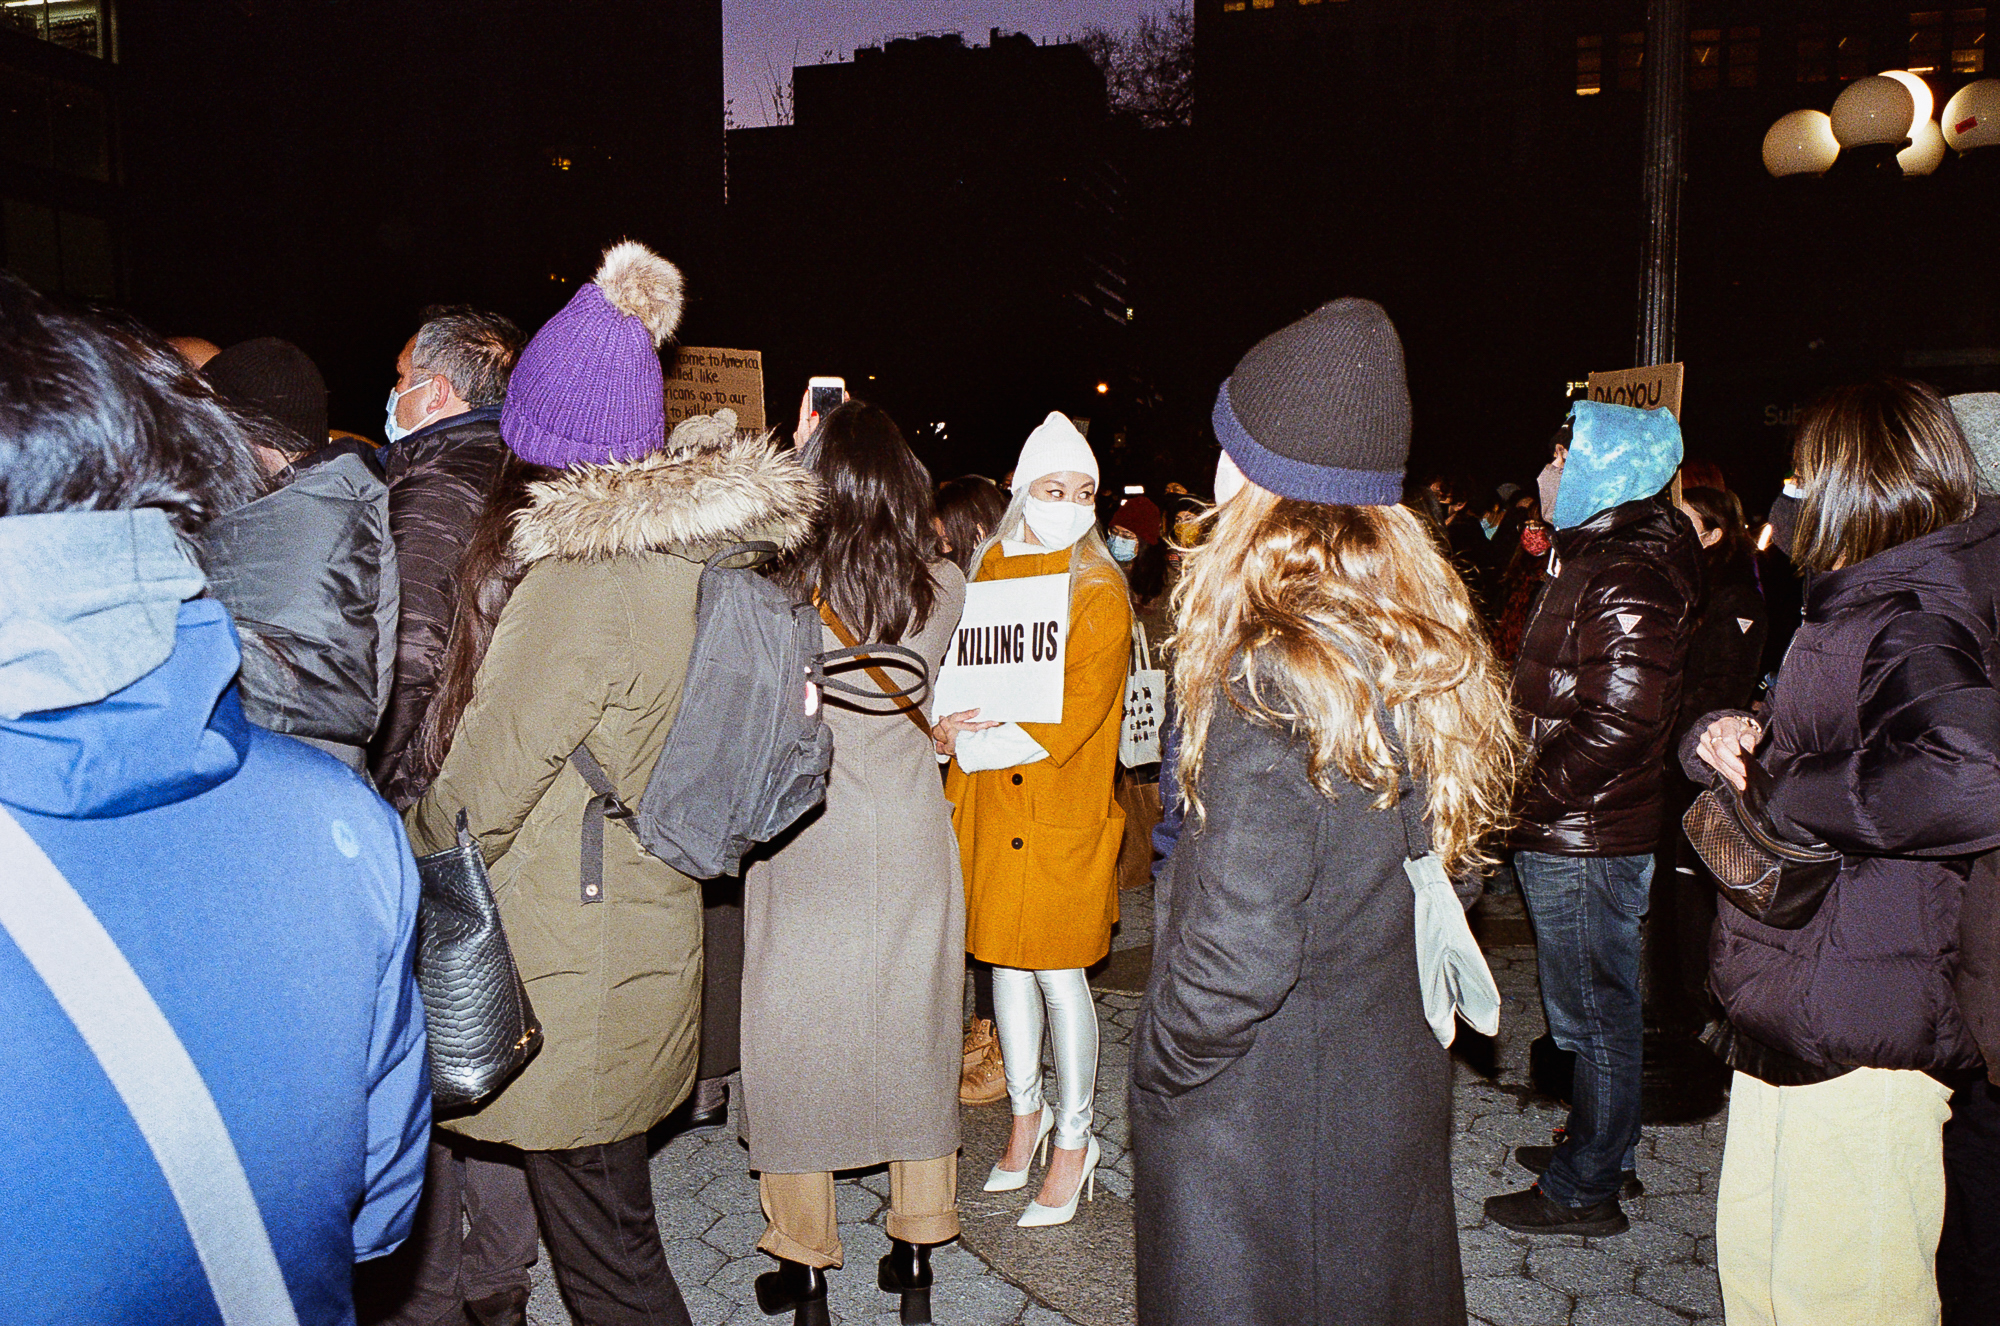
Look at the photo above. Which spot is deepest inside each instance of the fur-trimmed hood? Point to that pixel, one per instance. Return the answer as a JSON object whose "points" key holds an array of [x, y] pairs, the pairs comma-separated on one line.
{"points": [[685, 498]]}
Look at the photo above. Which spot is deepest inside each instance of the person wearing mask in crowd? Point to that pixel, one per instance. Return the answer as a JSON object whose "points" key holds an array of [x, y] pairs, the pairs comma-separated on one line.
{"points": [[1140, 551], [1037, 824], [217, 1093], [1882, 742], [1969, 1249], [591, 652], [1597, 687], [854, 928], [309, 569], [1726, 652], [967, 510], [444, 453], [1337, 689], [445, 458]]}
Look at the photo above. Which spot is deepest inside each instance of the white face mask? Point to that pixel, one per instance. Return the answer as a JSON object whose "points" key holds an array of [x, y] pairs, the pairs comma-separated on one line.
{"points": [[1548, 483], [1229, 480], [394, 431], [1059, 524]]}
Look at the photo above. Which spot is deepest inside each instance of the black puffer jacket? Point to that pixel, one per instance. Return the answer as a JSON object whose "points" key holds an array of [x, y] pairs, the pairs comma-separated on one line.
{"points": [[1726, 654], [438, 480], [1598, 681], [309, 573], [1885, 743]]}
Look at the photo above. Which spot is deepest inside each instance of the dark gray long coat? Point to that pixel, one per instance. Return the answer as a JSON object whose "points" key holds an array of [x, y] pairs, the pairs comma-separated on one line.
{"points": [[1291, 1110]]}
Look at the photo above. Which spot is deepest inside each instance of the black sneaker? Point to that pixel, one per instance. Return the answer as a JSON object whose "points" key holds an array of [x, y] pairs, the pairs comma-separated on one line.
{"points": [[1535, 1160], [1532, 1211]]}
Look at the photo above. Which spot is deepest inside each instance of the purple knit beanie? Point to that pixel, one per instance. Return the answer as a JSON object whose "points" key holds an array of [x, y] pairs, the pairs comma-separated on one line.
{"points": [[588, 388]]}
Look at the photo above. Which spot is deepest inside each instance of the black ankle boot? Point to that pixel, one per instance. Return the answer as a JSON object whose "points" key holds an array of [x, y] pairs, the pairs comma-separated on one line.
{"points": [[795, 1286], [907, 1271]]}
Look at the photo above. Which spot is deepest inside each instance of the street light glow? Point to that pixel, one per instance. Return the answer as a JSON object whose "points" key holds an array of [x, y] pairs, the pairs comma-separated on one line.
{"points": [[1103, 387]]}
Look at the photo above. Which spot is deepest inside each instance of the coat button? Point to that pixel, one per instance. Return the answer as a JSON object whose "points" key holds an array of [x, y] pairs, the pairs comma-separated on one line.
{"points": [[1017, 780], [1017, 844]]}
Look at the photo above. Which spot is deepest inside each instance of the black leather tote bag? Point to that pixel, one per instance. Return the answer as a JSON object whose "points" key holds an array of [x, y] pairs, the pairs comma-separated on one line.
{"points": [[482, 1028]]}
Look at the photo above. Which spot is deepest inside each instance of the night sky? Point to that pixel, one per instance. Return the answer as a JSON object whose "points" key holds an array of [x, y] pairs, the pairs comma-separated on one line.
{"points": [[763, 39]]}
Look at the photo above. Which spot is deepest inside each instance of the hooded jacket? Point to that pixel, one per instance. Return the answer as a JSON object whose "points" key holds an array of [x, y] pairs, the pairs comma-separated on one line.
{"points": [[438, 480], [1597, 683], [592, 648], [263, 895], [309, 573], [1885, 744]]}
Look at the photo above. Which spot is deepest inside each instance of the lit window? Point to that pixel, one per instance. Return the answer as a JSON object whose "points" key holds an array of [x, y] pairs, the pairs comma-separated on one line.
{"points": [[1308, 2], [1233, 6], [76, 24], [1631, 61], [1262, 4], [1589, 65], [1704, 59], [1951, 41]]}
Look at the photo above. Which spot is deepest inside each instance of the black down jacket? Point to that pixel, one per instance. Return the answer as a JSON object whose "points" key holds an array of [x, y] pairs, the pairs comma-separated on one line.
{"points": [[309, 573], [1726, 652], [1597, 684], [438, 481], [1885, 743]]}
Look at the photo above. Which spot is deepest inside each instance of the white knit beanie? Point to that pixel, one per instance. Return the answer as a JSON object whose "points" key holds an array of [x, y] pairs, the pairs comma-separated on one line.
{"points": [[1055, 447]]}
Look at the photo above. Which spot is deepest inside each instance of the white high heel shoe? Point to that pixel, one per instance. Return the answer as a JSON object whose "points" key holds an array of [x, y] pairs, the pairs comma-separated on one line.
{"points": [[1038, 1215], [1007, 1180]]}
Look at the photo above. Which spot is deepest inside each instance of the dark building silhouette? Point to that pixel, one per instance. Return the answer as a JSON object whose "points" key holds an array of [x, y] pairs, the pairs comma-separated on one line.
{"points": [[1476, 166], [321, 169], [943, 225], [61, 195]]}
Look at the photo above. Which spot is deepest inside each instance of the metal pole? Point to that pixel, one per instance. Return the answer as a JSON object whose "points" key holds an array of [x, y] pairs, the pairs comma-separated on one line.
{"points": [[1664, 152]]}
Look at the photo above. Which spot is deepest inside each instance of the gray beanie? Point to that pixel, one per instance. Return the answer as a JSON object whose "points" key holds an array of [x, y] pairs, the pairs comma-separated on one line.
{"points": [[1979, 419], [1320, 410]]}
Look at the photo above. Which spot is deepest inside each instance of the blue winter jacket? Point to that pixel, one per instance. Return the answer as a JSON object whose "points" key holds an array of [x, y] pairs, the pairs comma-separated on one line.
{"points": [[263, 894]]}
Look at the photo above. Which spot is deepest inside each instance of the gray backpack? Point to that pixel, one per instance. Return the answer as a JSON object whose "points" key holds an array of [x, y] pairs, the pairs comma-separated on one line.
{"points": [[749, 751]]}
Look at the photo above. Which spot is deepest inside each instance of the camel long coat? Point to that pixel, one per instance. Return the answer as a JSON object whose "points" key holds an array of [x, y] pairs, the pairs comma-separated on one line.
{"points": [[1040, 841], [854, 947]]}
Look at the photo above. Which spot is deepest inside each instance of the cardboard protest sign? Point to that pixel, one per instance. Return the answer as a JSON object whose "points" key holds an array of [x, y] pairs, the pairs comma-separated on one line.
{"points": [[702, 381], [1647, 388], [1006, 659]]}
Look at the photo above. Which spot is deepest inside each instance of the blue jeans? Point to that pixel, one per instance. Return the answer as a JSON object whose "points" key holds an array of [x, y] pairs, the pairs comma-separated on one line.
{"points": [[1586, 911]]}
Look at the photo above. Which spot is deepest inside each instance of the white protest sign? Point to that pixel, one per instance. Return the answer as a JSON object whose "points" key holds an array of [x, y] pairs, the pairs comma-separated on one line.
{"points": [[1006, 659]]}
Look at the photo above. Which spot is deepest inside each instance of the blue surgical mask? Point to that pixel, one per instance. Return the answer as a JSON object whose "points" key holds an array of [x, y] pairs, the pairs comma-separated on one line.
{"points": [[394, 431], [1123, 547]]}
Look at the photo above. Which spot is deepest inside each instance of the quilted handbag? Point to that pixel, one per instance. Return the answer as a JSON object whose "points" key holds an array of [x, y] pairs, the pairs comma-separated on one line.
{"points": [[482, 1028], [1764, 874]]}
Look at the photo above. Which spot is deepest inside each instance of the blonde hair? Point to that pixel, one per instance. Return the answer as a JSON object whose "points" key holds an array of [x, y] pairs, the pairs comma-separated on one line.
{"points": [[1278, 612]]}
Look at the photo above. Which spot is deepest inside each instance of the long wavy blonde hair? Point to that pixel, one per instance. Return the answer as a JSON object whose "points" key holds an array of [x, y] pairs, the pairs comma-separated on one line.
{"points": [[1282, 607]]}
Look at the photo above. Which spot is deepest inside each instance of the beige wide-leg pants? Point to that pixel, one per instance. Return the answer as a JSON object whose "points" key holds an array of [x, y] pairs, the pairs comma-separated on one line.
{"points": [[923, 1208], [1831, 1201]]}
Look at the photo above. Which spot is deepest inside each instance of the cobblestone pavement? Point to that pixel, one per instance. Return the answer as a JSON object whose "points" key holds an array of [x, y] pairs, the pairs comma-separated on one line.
{"points": [[1661, 1273]]}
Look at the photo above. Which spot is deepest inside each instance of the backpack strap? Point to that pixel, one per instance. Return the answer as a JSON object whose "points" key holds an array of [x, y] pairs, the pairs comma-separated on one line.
{"points": [[761, 551], [154, 1075], [602, 806], [913, 712]]}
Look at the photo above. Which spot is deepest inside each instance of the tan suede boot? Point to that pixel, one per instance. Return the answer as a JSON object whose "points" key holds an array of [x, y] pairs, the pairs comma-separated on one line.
{"points": [[983, 1079]]}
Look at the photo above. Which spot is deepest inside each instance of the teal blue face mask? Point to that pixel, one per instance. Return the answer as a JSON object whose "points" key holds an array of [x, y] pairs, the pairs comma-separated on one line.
{"points": [[1123, 547]]}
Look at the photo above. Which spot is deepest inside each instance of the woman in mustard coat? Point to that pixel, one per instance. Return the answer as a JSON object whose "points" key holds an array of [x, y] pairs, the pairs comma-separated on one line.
{"points": [[1038, 831]]}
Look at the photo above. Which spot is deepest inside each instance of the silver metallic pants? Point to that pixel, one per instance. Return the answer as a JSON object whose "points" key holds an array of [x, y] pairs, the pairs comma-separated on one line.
{"points": [[1018, 997]]}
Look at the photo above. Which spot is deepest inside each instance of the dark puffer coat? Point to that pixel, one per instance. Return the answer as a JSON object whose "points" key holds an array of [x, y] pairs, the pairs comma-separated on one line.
{"points": [[1885, 743], [1726, 653], [309, 573], [1598, 681], [438, 480], [1290, 1106]]}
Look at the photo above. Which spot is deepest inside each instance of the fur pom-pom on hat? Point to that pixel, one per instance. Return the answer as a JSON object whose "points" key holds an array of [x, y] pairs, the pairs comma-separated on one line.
{"points": [[642, 284]]}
